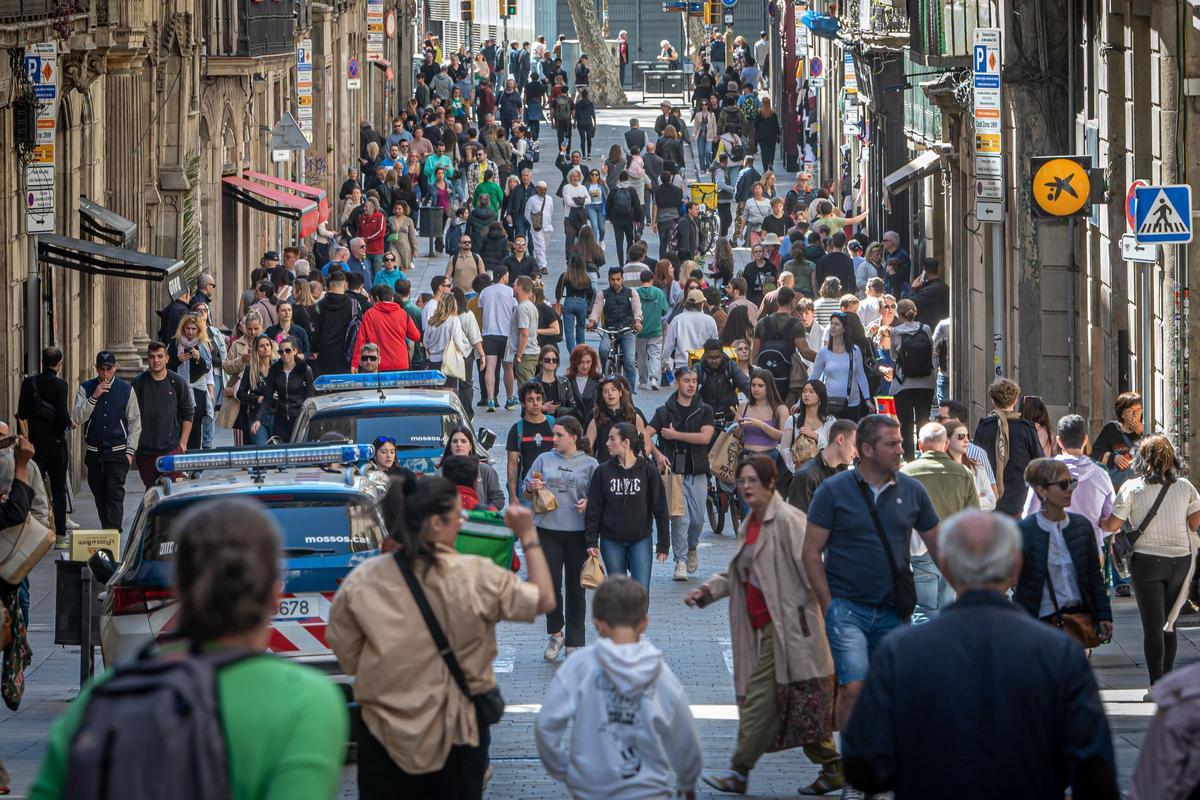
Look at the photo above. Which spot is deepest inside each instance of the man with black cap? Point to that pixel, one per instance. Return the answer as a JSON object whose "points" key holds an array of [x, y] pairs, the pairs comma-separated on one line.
{"points": [[174, 311], [42, 406], [108, 410]]}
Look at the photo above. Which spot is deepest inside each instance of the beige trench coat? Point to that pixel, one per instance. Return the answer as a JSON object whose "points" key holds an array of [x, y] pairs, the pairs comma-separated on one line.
{"points": [[801, 648]]}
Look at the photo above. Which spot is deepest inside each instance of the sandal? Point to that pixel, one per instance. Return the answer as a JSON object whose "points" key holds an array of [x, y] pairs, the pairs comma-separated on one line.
{"points": [[726, 781], [823, 785]]}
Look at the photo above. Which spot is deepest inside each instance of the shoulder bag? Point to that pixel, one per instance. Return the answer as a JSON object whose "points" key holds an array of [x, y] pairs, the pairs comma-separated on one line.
{"points": [[489, 706], [1079, 625], [902, 578], [836, 405], [1124, 539], [22, 547]]}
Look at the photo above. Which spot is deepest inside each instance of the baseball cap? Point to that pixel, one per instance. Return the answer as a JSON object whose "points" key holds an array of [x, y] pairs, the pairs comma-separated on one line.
{"points": [[270, 255], [105, 359], [695, 297]]}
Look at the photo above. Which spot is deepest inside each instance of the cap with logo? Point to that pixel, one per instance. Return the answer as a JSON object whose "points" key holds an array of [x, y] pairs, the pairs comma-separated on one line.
{"points": [[105, 359], [270, 255]]}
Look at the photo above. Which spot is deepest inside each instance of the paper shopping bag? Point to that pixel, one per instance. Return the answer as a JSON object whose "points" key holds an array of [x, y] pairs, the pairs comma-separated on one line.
{"points": [[592, 574], [676, 506], [724, 455]]}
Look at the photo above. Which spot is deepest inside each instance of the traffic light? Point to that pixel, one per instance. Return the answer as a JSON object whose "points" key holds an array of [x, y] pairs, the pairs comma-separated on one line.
{"points": [[712, 12], [508, 8], [468, 10]]}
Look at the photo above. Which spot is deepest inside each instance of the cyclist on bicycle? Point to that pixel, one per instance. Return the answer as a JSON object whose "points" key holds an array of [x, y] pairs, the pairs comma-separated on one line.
{"points": [[622, 312], [720, 381]]}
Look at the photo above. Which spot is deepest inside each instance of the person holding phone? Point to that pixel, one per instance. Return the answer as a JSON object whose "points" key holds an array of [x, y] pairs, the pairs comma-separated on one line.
{"points": [[108, 411]]}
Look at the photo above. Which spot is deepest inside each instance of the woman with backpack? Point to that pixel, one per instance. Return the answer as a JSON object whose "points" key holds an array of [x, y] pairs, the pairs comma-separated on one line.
{"points": [[427, 705], [915, 372], [289, 383], [282, 725], [625, 494], [562, 111]]}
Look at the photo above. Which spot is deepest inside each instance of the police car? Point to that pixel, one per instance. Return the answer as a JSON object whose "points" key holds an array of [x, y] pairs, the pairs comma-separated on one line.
{"points": [[408, 406], [316, 495]]}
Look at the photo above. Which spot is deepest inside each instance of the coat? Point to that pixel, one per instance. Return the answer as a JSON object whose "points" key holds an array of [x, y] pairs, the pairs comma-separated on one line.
{"points": [[801, 648], [1081, 542], [1167, 768]]}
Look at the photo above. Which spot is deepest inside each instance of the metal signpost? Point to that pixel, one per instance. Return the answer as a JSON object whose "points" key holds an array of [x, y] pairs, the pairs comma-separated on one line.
{"points": [[989, 169]]}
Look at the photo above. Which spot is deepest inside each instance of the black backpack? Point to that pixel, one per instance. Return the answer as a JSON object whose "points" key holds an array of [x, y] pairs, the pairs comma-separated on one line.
{"points": [[622, 203], [775, 354], [153, 730], [352, 330], [916, 354], [562, 108]]}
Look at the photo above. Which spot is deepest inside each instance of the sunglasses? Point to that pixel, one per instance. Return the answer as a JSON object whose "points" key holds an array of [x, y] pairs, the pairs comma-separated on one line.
{"points": [[368, 358], [549, 360], [388, 259], [891, 306], [384, 440], [287, 350], [1066, 485]]}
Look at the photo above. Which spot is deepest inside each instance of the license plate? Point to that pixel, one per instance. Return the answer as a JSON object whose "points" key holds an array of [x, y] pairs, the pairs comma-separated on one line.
{"points": [[301, 606]]}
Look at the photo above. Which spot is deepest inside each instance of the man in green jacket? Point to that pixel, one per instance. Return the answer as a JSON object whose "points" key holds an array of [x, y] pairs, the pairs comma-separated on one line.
{"points": [[650, 338], [951, 488]]}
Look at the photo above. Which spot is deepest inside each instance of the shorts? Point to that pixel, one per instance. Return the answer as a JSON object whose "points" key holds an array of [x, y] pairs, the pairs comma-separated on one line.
{"points": [[495, 346], [854, 631]]}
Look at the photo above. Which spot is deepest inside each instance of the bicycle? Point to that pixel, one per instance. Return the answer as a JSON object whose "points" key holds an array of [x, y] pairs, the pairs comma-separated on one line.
{"points": [[615, 363], [709, 225], [722, 498]]}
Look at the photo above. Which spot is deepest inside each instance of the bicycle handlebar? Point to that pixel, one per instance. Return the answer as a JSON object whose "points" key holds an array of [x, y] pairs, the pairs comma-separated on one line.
{"points": [[614, 333]]}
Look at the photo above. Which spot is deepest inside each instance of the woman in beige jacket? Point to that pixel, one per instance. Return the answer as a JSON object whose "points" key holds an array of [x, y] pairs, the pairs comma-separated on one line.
{"points": [[779, 644], [235, 363], [422, 735]]}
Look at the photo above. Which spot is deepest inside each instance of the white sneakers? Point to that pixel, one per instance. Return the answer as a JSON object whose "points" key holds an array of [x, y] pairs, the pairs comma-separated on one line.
{"points": [[693, 563], [553, 648], [681, 571]]}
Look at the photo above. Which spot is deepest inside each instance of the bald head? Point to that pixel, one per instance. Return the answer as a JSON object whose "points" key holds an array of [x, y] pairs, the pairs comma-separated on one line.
{"points": [[978, 550]]}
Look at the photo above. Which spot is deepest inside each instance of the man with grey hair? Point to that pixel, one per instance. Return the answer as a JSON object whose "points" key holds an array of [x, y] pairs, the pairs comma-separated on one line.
{"points": [[358, 262], [368, 358], [951, 488], [956, 673], [896, 275]]}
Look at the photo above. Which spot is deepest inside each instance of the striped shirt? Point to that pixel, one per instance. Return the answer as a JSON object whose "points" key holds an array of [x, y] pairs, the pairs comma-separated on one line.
{"points": [[1168, 533]]}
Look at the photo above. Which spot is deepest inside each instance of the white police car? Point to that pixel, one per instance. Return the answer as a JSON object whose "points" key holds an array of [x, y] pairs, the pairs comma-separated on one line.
{"points": [[408, 406], [329, 521]]}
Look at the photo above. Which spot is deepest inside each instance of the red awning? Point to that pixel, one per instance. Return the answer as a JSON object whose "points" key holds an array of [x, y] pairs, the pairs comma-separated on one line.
{"points": [[299, 188], [275, 201]]}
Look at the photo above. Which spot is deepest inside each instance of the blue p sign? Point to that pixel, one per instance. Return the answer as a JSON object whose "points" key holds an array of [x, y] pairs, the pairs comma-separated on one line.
{"points": [[980, 58]]}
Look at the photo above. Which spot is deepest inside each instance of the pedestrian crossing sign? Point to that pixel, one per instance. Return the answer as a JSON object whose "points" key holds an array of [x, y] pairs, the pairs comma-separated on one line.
{"points": [[1163, 214]]}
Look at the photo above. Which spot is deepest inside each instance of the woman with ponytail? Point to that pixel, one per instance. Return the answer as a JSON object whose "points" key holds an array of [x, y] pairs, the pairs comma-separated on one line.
{"points": [[566, 471], [625, 494], [423, 735]]}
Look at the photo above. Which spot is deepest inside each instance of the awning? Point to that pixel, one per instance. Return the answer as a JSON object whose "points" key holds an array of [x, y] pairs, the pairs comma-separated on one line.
{"points": [[108, 226], [275, 201], [104, 259], [301, 189], [920, 167]]}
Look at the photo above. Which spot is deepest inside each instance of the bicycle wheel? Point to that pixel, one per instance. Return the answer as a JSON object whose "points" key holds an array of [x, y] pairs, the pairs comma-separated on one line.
{"points": [[716, 511], [708, 234], [735, 510]]}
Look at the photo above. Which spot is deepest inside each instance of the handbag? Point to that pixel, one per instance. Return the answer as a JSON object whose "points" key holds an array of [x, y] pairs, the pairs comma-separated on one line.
{"points": [[836, 405], [22, 547], [489, 706], [803, 448], [902, 579], [1079, 625], [453, 365], [535, 219], [592, 574], [1124, 539]]}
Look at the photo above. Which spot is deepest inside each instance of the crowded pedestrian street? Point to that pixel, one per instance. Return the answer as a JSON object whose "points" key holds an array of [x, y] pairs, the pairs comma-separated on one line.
{"points": [[412, 400]]}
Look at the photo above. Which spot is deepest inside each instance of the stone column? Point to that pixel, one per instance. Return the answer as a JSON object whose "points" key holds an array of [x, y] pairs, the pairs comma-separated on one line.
{"points": [[125, 298]]}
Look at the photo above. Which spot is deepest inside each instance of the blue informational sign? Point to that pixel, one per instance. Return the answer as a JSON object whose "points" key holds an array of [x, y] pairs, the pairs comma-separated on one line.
{"points": [[729, 3], [1163, 214]]}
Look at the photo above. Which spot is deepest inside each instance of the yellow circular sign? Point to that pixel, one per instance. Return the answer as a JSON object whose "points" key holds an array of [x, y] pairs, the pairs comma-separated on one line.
{"points": [[1061, 187]]}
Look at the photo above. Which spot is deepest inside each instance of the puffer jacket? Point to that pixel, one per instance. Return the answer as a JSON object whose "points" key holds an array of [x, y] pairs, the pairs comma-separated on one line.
{"points": [[492, 248]]}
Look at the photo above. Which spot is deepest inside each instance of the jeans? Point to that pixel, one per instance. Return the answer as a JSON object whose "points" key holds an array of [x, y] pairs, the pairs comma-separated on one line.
{"points": [[566, 551], [595, 214], [575, 312], [1157, 581], [207, 431], [912, 407], [629, 353], [943, 386], [628, 558], [666, 227], [649, 359], [706, 150], [376, 263], [686, 529], [585, 140], [933, 592], [854, 631]]}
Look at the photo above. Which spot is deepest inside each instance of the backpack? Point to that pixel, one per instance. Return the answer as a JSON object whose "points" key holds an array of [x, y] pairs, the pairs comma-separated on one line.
{"points": [[916, 354], [154, 727], [352, 330], [621, 203], [562, 108], [532, 152], [775, 355], [521, 435]]}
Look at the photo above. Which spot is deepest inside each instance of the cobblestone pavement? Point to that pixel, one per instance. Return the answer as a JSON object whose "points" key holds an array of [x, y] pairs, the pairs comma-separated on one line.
{"points": [[695, 642]]}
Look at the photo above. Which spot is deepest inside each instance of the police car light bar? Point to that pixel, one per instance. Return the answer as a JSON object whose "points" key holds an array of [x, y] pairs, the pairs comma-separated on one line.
{"points": [[400, 379], [266, 457]]}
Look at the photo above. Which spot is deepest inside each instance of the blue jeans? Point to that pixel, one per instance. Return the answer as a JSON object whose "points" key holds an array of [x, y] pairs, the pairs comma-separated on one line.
{"points": [[207, 432], [933, 592], [575, 311], [943, 386], [595, 213], [628, 558], [706, 150], [629, 353], [854, 631]]}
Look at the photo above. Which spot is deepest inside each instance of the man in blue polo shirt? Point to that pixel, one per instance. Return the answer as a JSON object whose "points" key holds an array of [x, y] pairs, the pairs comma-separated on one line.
{"points": [[855, 583]]}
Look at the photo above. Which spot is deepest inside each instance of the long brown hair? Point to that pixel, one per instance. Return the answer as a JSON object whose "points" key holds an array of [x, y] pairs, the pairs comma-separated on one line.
{"points": [[625, 409], [574, 429], [587, 246], [576, 275]]}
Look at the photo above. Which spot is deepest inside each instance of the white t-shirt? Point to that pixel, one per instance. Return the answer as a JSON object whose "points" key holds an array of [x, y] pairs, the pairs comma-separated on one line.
{"points": [[497, 304], [569, 193]]}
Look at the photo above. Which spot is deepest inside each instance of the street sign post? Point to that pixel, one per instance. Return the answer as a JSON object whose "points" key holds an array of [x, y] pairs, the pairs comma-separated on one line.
{"points": [[816, 67], [1163, 214], [304, 88], [353, 74], [1129, 200], [989, 154], [41, 66], [375, 30]]}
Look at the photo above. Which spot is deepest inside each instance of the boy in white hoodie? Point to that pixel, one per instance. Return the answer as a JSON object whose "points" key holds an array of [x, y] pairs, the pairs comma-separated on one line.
{"points": [[632, 725]]}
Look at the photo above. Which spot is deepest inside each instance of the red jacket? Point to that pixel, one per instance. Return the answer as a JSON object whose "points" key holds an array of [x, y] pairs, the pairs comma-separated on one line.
{"points": [[387, 325], [373, 228]]}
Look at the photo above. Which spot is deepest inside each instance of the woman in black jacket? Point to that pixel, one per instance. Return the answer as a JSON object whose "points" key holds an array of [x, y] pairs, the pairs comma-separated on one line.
{"points": [[251, 386], [670, 149], [624, 493], [585, 121], [288, 385], [492, 247], [766, 134], [1060, 570]]}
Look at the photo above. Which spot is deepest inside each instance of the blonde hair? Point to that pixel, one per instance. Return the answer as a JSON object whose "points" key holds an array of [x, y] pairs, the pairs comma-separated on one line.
{"points": [[201, 328], [257, 372], [446, 308]]}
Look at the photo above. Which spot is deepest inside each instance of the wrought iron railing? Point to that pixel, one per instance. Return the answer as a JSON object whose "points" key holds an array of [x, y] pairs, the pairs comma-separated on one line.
{"points": [[874, 16], [947, 27], [12, 11]]}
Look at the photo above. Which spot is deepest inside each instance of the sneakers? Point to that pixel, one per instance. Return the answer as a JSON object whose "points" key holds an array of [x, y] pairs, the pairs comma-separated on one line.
{"points": [[1123, 590], [491, 406], [726, 781], [553, 648], [693, 563], [62, 542], [654, 386], [641, 384], [850, 793], [72, 525], [681, 571], [511, 403]]}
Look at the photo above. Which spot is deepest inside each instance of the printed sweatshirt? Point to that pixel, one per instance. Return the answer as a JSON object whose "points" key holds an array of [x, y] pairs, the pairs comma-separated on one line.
{"points": [[622, 504]]}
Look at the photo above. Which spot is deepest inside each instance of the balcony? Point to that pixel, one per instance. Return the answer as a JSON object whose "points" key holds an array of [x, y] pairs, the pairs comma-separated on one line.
{"points": [[943, 31], [874, 18], [12, 11], [252, 28]]}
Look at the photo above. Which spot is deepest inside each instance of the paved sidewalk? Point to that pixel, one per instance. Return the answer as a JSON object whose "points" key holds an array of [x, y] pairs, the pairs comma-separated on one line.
{"points": [[696, 642]]}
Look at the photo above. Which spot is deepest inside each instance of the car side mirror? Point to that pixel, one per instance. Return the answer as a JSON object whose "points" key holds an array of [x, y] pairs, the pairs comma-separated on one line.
{"points": [[103, 565], [485, 438]]}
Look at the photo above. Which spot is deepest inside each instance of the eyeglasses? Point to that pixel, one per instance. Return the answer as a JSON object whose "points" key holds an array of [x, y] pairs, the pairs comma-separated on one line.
{"points": [[1065, 485], [749, 481]]}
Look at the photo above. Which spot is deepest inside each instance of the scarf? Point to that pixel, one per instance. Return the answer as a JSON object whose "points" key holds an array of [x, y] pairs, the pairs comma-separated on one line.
{"points": [[1002, 446], [184, 344]]}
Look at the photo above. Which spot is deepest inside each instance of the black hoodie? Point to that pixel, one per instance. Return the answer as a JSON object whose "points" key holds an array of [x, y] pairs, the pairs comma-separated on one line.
{"points": [[334, 314], [493, 248], [621, 501]]}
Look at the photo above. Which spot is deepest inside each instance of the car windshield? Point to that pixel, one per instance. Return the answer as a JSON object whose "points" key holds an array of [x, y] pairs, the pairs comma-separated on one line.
{"points": [[412, 431], [312, 524]]}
